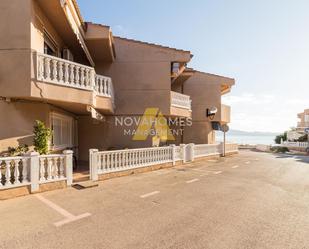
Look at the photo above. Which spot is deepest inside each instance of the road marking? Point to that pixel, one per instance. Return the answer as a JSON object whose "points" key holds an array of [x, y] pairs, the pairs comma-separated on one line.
{"points": [[235, 166], [247, 162], [150, 194], [212, 161], [193, 180], [173, 184], [68, 216], [217, 172]]}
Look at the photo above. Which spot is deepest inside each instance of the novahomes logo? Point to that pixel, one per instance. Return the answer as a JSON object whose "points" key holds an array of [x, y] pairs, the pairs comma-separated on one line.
{"points": [[154, 124]]}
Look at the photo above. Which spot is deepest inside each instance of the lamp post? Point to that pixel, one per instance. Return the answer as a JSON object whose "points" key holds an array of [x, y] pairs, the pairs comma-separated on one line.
{"points": [[225, 128]]}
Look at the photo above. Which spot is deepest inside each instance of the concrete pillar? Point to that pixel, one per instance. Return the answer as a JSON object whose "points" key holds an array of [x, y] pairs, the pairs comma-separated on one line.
{"points": [[93, 164], [68, 166], [34, 171]]}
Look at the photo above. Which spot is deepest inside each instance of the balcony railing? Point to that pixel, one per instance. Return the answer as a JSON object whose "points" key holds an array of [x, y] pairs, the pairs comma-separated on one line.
{"points": [[180, 100], [70, 74]]}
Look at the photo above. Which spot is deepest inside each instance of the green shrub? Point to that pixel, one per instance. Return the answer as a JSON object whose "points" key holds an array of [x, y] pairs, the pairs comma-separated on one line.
{"points": [[18, 151], [42, 136], [279, 149], [283, 136]]}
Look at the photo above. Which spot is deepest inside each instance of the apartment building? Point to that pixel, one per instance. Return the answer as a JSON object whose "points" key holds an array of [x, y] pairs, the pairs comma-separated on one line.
{"points": [[304, 120], [78, 78]]}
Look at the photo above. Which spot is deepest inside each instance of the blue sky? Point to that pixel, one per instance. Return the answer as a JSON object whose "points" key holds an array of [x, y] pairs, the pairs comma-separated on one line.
{"points": [[263, 44]]}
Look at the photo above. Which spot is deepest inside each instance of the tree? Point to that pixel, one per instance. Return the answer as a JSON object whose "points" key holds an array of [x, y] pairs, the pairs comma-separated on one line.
{"points": [[280, 137], [42, 136]]}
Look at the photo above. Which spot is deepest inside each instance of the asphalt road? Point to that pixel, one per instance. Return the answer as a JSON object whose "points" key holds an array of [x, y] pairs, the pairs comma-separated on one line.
{"points": [[252, 200]]}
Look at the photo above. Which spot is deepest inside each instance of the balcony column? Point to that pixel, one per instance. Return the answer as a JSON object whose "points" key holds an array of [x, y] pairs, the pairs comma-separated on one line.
{"points": [[92, 79], [71, 81], [47, 68], [82, 77], [60, 69], [66, 73], [87, 81], [77, 76], [55, 72]]}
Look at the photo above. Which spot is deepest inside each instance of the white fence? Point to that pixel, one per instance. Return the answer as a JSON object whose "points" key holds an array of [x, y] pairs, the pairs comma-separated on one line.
{"points": [[35, 169], [14, 172], [102, 162], [58, 71], [296, 144], [201, 150]]}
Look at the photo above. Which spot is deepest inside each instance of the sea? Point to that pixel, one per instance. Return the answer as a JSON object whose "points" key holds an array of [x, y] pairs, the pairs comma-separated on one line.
{"points": [[251, 138]]}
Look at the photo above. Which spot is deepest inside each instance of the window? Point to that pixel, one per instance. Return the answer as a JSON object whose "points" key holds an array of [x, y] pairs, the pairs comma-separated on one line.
{"points": [[50, 46], [62, 127], [306, 118]]}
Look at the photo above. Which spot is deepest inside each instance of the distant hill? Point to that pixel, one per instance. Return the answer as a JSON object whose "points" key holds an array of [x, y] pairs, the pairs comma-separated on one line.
{"points": [[251, 133]]}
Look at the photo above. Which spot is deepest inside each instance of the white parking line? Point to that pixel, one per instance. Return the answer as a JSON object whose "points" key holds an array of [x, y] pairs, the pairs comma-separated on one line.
{"points": [[235, 166], [193, 180], [217, 172], [68, 216], [150, 194]]}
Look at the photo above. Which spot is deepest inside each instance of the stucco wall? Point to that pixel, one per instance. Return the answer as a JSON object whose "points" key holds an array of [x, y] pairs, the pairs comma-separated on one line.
{"points": [[15, 18], [16, 126], [39, 23], [106, 135], [141, 76], [205, 92]]}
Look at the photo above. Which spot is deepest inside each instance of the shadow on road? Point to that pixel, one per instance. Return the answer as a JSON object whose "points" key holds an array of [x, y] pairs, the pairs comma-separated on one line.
{"points": [[297, 158]]}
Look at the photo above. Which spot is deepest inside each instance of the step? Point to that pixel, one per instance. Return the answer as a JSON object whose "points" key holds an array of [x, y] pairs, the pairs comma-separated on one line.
{"points": [[80, 178], [85, 185]]}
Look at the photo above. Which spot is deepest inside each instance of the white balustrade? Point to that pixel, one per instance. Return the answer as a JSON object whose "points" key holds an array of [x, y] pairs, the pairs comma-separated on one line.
{"points": [[14, 172], [118, 160], [231, 147], [63, 72], [178, 154], [58, 71], [201, 150], [103, 85], [180, 100], [51, 168], [296, 144]]}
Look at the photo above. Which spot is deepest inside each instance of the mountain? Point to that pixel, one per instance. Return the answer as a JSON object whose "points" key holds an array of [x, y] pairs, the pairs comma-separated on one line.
{"points": [[251, 133]]}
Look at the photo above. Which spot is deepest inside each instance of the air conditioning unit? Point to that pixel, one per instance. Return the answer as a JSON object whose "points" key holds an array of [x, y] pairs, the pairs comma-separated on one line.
{"points": [[67, 55]]}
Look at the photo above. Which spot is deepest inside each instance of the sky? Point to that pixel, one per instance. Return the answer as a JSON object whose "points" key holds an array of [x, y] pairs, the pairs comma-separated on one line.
{"points": [[263, 44]]}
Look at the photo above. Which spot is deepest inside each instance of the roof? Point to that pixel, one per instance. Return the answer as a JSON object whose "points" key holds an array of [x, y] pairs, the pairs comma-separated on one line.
{"points": [[78, 12], [210, 74], [98, 24], [154, 45]]}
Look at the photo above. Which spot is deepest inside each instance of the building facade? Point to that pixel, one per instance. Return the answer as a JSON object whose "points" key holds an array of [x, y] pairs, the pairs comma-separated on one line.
{"points": [[79, 79]]}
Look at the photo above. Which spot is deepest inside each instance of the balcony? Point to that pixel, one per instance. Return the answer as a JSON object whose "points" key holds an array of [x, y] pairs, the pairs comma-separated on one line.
{"points": [[180, 104], [72, 82], [303, 124], [225, 114]]}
